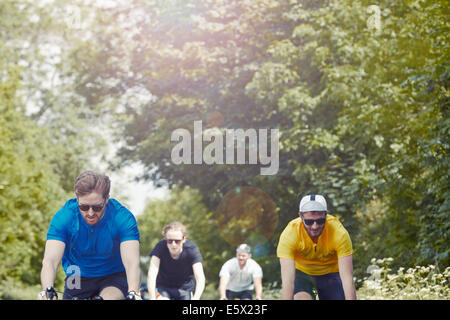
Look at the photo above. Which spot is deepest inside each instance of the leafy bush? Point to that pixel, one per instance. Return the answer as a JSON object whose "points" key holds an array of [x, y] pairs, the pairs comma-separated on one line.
{"points": [[418, 283]]}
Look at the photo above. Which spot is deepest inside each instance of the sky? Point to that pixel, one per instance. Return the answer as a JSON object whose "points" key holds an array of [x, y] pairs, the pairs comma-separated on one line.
{"points": [[134, 195]]}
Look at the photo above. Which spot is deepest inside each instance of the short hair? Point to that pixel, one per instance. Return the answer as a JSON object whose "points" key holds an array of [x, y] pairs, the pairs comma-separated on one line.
{"points": [[175, 225], [90, 181]]}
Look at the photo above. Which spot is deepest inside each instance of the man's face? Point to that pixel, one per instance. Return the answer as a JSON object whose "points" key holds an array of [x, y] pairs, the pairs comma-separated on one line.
{"points": [[242, 258], [175, 240], [314, 222], [92, 207]]}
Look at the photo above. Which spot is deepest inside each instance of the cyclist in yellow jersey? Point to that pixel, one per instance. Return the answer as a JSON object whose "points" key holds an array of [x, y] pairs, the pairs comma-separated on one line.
{"points": [[315, 252]]}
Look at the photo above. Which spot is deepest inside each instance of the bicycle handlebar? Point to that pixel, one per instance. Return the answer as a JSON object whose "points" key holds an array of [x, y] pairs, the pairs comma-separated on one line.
{"points": [[132, 295], [51, 293]]}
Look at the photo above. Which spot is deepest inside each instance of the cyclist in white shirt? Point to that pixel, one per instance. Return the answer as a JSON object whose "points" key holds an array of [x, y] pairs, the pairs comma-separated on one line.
{"points": [[240, 275]]}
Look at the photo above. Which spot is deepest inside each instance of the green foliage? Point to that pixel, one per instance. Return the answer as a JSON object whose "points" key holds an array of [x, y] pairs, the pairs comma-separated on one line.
{"points": [[29, 194], [418, 283], [43, 42], [13, 290], [363, 112], [34, 161]]}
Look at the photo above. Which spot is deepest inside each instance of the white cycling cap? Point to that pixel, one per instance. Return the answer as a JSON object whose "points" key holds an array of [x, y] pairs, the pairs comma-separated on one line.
{"points": [[244, 248], [313, 202]]}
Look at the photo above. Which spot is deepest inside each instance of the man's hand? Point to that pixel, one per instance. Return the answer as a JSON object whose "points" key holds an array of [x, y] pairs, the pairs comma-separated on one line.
{"points": [[48, 294], [132, 295]]}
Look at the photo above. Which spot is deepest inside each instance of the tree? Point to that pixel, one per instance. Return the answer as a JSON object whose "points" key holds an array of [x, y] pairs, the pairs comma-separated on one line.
{"points": [[47, 42], [38, 136], [359, 93], [30, 191]]}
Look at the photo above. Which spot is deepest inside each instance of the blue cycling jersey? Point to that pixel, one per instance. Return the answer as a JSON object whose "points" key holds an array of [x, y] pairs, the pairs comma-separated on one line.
{"points": [[93, 250]]}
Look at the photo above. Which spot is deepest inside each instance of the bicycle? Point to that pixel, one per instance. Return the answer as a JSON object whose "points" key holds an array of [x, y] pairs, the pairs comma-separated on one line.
{"points": [[52, 294]]}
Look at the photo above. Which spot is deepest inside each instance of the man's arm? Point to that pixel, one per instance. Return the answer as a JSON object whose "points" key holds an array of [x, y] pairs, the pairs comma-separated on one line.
{"points": [[287, 278], [346, 274], [199, 280], [129, 251], [224, 279], [151, 277], [54, 250], [258, 287]]}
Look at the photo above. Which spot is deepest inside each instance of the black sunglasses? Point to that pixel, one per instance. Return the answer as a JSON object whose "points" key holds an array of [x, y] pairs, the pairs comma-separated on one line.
{"points": [[310, 222], [170, 241], [95, 208]]}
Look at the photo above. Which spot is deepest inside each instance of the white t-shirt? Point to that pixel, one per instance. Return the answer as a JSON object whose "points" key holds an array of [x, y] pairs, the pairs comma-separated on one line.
{"points": [[241, 279]]}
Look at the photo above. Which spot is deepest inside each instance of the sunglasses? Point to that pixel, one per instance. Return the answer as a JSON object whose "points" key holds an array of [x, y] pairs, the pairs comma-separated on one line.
{"points": [[95, 208], [310, 222], [170, 241]]}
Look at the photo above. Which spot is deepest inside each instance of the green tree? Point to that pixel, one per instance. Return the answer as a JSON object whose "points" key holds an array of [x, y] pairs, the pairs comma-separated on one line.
{"points": [[38, 136], [46, 43], [30, 191], [362, 108]]}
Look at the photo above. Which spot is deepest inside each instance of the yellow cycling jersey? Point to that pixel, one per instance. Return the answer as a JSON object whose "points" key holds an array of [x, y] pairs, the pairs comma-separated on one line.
{"points": [[315, 258]]}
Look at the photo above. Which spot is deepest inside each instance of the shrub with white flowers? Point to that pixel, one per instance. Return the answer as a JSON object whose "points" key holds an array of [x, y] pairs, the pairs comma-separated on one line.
{"points": [[418, 283]]}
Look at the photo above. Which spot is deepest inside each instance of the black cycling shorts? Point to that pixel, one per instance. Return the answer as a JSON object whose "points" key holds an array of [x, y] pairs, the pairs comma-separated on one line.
{"points": [[174, 293], [327, 286], [241, 295], [92, 286]]}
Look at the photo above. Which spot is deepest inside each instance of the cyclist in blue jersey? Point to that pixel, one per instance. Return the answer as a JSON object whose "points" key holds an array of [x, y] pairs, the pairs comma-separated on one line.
{"points": [[97, 241]]}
